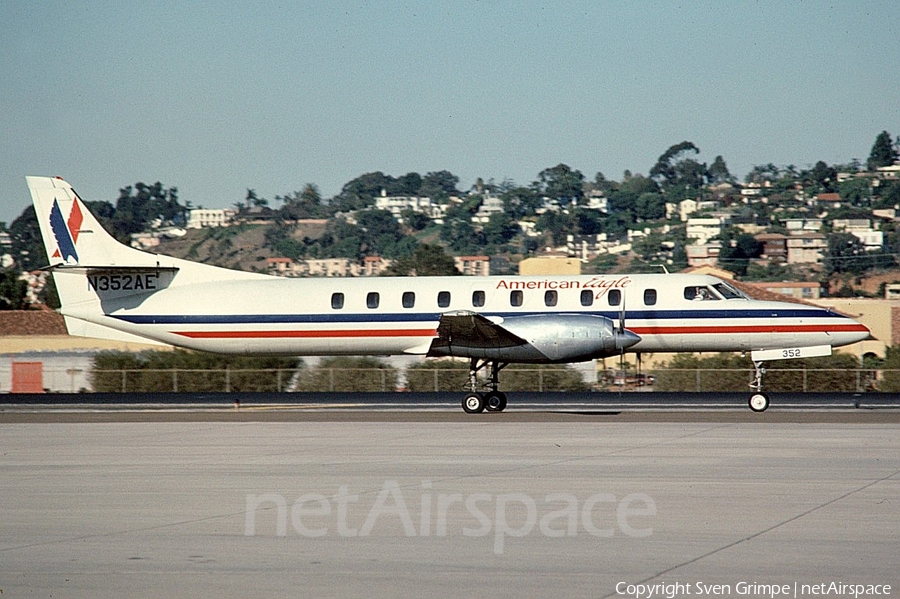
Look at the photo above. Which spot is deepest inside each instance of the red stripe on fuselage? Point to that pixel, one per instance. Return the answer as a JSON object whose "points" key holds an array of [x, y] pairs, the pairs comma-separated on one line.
{"points": [[308, 334], [732, 329]]}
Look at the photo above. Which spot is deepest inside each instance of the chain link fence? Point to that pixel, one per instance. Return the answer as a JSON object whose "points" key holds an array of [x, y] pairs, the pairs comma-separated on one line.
{"points": [[512, 379]]}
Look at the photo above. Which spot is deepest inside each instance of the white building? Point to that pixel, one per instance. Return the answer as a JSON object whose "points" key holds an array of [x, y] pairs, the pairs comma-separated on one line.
{"points": [[596, 200], [200, 218], [701, 230], [489, 205]]}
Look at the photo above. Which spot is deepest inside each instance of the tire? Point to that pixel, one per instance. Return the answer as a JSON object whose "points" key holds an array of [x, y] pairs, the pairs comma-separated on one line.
{"points": [[759, 402], [495, 401], [473, 403]]}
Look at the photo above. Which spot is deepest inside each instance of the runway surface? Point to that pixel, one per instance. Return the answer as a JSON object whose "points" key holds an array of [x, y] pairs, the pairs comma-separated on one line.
{"points": [[281, 501]]}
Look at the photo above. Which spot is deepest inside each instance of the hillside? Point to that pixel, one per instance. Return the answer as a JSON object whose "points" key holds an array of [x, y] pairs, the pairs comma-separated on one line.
{"points": [[241, 247]]}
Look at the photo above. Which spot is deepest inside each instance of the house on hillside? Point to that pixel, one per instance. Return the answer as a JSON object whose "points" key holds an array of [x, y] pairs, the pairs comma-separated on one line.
{"points": [[479, 266], [774, 246], [202, 218], [806, 248]]}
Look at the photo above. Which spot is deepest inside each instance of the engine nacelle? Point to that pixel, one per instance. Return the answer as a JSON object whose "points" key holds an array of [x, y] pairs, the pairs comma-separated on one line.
{"points": [[570, 337]]}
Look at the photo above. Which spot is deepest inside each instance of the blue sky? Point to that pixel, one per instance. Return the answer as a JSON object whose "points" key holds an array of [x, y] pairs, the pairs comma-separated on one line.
{"points": [[215, 98]]}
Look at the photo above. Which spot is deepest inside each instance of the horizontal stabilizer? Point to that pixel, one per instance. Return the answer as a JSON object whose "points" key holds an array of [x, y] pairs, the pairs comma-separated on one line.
{"points": [[100, 269]]}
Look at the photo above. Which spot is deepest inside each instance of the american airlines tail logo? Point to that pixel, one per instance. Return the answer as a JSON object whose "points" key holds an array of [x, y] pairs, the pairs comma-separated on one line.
{"points": [[66, 231]]}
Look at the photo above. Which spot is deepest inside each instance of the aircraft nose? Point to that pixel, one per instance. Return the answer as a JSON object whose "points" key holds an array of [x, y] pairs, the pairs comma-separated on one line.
{"points": [[625, 339]]}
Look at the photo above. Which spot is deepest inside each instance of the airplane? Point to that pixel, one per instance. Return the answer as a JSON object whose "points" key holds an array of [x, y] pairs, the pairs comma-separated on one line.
{"points": [[112, 291]]}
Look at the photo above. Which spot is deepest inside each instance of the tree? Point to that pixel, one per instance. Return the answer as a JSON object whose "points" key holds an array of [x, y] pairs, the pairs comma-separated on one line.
{"points": [[140, 204], [625, 199], [462, 236], [737, 251], [845, 254], [519, 202], [500, 229], [414, 219], [650, 206], [761, 173], [855, 191], [822, 176], [718, 172], [27, 243], [562, 184], [303, 204], [438, 184], [674, 169], [13, 291], [407, 185], [555, 224], [601, 183], [586, 221], [361, 192], [381, 228], [890, 195], [428, 260], [883, 152]]}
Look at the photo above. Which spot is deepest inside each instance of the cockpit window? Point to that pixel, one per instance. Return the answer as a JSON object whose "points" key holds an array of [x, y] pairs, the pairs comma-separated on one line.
{"points": [[699, 293], [728, 292]]}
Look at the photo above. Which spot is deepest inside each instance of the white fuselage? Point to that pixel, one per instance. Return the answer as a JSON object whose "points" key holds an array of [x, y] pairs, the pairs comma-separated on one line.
{"points": [[395, 315]]}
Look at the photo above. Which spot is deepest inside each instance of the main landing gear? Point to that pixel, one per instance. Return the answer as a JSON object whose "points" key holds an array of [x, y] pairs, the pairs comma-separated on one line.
{"points": [[759, 401], [492, 401]]}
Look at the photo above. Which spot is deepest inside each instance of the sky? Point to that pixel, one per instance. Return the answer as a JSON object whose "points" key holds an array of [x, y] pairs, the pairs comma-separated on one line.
{"points": [[217, 98]]}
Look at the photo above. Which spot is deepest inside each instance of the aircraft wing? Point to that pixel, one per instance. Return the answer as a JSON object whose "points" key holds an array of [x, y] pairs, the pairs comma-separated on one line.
{"points": [[469, 329]]}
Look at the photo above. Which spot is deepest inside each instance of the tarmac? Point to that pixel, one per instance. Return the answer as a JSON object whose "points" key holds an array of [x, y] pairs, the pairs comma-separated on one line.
{"points": [[277, 500]]}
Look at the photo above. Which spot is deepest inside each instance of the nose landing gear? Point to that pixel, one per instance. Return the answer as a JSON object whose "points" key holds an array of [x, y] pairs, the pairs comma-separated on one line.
{"points": [[759, 401]]}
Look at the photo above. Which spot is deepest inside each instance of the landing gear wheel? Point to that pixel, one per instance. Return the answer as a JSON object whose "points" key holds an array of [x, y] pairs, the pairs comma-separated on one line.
{"points": [[495, 401], [759, 402], [473, 403]]}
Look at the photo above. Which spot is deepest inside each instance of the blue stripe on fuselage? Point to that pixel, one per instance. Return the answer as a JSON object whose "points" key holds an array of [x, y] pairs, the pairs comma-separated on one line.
{"points": [[219, 319]]}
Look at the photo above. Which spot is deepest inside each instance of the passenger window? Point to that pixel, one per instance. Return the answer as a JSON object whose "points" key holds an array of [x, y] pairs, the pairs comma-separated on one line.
{"points": [[409, 299], [443, 299], [515, 298], [587, 297], [478, 299], [550, 298], [614, 297], [649, 297], [372, 299], [337, 301]]}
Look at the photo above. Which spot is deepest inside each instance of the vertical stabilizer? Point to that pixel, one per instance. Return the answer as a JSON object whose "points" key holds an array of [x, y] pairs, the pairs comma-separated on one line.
{"points": [[72, 235]]}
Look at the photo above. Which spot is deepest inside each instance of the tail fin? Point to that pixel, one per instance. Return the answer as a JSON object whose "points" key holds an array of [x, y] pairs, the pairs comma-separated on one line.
{"points": [[96, 275], [72, 236]]}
